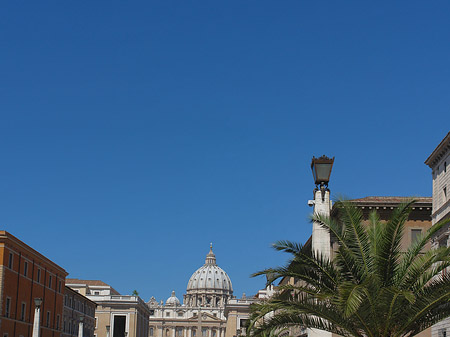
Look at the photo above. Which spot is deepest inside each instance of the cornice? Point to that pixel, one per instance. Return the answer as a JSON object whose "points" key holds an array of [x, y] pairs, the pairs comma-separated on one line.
{"points": [[439, 152]]}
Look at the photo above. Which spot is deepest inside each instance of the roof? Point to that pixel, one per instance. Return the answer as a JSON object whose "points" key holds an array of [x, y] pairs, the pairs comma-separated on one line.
{"points": [[439, 151], [420, 209], [92, 283], [6, 236], [87, 282], [390, 200]]}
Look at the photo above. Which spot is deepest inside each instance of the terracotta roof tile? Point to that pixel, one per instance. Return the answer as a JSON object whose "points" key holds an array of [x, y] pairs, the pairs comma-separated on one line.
{"points": [[91, 283], [87, 282]]}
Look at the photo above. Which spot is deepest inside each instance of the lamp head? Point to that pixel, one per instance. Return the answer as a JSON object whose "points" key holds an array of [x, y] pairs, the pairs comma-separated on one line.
{"points": [[321, 169], [38, 302]]}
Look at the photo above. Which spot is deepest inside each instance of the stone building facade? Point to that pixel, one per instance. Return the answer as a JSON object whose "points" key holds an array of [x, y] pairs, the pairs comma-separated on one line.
{"points": [[202, 313], [439, 162], [116, 315]]}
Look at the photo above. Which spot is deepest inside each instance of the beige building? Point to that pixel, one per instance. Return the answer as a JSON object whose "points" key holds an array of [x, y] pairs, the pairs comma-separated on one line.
{"points": [[438, 161], [237, 311], [419, 221], [116, 315], [202, 313]]}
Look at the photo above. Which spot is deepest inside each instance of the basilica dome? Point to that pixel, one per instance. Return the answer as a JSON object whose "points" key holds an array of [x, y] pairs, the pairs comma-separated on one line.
{"points": [[209, 285]]}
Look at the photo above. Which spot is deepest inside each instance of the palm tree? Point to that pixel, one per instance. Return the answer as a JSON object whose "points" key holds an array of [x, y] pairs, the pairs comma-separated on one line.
{"points": [[369, 289]]}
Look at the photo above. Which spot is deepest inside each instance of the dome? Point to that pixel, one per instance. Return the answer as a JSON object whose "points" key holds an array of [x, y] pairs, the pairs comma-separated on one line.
{"points": [[173, 300], [210, 277]]}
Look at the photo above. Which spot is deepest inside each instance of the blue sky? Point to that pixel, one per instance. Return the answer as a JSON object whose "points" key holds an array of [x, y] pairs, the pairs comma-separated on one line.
{"points": [[132, 134]]}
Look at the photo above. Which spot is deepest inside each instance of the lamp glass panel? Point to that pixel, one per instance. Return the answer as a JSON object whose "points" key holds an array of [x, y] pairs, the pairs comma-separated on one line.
{"points": [[323, 172]]}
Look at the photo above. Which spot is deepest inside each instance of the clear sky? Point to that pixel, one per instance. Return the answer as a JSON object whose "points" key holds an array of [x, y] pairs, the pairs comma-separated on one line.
{"points": [[134, 133]]}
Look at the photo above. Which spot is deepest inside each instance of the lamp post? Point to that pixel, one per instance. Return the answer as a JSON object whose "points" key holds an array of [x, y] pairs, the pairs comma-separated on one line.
{"points": [[321, 168], [320, 238], [81, 327], [37, 316]]}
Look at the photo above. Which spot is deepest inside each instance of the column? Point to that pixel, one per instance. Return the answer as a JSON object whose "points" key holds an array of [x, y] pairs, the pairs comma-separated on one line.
{"points": [[81, 327], [320, 238], [189, 332], [37, 315]]}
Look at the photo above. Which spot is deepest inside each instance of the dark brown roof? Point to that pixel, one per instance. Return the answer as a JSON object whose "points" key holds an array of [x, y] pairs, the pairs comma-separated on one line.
{"points": [[391, 200], [421, 209]]}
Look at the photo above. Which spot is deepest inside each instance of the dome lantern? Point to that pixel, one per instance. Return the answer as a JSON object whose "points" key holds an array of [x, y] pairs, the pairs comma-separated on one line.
{"points": [[210, 258]]}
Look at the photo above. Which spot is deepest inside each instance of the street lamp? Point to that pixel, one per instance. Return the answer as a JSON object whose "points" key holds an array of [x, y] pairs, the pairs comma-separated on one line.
{"points": [[320, 238], [321, 169], [38, 302], [37, 316]]}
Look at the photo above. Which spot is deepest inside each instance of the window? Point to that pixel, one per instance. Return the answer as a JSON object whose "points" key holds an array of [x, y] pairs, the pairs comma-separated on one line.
{"points": [[50, 282], [22, 311], [38, 278], [194, 332], [7, 307], [179, 332], [445, 166], [57, 322], [25, 269], [151, 332], [445, 192], [152, 312], [204, 332], [167, 314], [415, 234], [70, 302], [48, 318], [10, 263], [180, 314], [59, 286], [96, 292], [442, 333], [214, 333]]}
